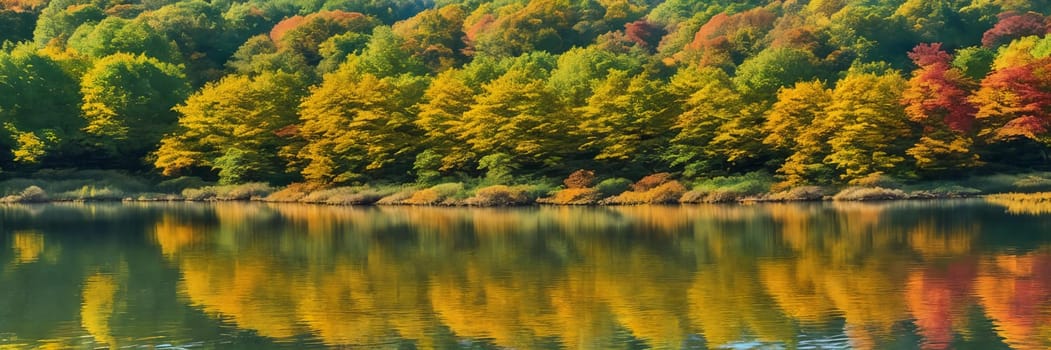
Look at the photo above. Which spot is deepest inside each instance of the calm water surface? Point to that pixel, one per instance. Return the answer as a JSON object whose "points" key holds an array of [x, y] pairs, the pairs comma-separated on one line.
{"points": [[931, 275]]}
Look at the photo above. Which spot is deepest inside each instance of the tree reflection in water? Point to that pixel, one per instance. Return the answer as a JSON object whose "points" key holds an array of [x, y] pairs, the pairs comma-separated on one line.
{"points": [[934, 275]]}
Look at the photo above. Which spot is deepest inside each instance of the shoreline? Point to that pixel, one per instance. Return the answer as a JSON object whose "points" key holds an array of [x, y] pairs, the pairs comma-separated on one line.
{"points": [[747, 201]]}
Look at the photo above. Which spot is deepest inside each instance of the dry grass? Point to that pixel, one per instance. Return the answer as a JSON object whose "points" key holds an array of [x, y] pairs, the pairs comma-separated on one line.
{"points": [[1023, 203], [869, 194]]}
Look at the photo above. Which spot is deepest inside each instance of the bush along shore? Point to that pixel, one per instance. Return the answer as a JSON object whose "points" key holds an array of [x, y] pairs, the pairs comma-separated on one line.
{"points": [[582, 187]]}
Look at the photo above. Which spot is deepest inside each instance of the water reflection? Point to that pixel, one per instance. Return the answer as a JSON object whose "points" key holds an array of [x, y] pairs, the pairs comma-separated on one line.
{"points": [[931, 275]]}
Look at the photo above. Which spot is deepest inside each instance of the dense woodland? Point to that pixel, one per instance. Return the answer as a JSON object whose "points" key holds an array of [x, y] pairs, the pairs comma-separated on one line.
{"points": [[342, 92]]}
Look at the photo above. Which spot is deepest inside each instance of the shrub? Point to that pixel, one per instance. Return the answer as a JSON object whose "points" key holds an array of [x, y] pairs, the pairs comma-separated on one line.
{"points": [[650, 181], [437, 194], [668, 192], [32, 194], [869, 194], [573, 196], [499, 196], [580, 179], [613, 187]]}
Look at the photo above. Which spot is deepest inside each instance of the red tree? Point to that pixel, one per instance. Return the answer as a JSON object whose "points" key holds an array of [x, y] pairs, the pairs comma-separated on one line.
{"points": [[1016, 101], [1013, 25], [937, 93]]}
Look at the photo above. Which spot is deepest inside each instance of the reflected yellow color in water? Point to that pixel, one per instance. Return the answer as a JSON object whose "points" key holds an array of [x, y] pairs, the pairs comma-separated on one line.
{"points": [[97, 308], [27, 245], [858, 275]]}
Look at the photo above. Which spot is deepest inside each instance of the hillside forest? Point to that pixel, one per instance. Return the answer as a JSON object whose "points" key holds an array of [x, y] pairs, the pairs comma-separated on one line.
{"points": [[351, 92]]}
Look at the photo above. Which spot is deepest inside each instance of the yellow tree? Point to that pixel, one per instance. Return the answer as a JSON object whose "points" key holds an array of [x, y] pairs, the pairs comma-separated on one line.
{"points": [[359, 126], [795, 125], [234, 126], [518, 116], [872, 131]]}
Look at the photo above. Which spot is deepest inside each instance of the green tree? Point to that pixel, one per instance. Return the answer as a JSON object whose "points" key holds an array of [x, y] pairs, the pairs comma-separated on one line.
{"points": [[759, 77], [62, 17], [128, 103], [707, 107], [115, 34], [237, 127], [38, 105], [385, 56]]}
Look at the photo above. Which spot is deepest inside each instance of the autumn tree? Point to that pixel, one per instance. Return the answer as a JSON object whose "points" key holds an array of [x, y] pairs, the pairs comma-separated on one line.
{"points": [[236, 127], [441, 118], [936, 99], [797, 126], [518, 117], [304, 34], [727, 39], [872, 128], [709, 102], [540, 25], [359, 127], [627, 121], [1015, 102], [435, 36], [128, 103], [1013, 25]]}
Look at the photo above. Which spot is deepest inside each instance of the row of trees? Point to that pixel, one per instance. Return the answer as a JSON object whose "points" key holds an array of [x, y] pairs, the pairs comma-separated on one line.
{"points": [[819, 92]]}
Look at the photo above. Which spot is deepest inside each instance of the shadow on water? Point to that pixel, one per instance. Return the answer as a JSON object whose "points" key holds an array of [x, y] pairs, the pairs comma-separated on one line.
{"points": [[934, 275]]}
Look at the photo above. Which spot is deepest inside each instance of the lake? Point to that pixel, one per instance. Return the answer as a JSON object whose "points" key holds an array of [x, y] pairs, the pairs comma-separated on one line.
{"points": [[963, 274]]}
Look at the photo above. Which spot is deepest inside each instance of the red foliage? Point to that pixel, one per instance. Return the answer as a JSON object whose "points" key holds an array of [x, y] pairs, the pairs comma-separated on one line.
{"points": [[929, 54], [1028, 104], [282, 28], [580, 179], [644, 34], [482, 25], [350, 21], [1013, 25], [937, 92], [724, 27], [651, 181], [937, 295]]}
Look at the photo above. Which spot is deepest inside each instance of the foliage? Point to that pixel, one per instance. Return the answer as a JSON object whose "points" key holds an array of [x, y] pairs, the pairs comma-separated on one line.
{"points": [[344, 93], [580, 179], [128, 102]]}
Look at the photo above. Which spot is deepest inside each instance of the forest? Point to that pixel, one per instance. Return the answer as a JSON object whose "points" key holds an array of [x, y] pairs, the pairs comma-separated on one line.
{"points": [[777, 95]]}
